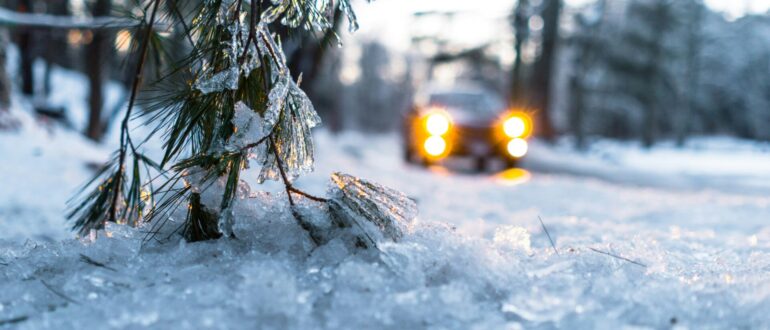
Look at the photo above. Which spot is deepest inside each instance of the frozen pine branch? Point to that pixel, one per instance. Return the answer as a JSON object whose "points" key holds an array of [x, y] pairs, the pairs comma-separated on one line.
{"points": [[231, 100]]}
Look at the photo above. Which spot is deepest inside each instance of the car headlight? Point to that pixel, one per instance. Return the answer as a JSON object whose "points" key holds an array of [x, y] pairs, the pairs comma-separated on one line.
{"points": [[437, 123], [518, 147], [516, 126], [435, 146]]}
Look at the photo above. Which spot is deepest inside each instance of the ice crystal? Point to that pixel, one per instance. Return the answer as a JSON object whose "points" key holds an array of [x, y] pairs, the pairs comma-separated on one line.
{"points": [[381, 213], [225, 79], [226, 221]]}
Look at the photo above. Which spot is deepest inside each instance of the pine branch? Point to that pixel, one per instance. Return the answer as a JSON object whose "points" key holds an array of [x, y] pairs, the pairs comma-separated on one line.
{"points": [[124, 134]]}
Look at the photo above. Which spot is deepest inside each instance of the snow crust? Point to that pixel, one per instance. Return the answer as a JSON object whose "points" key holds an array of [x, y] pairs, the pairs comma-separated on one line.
{"points": [[695, 259], [630, 253]]}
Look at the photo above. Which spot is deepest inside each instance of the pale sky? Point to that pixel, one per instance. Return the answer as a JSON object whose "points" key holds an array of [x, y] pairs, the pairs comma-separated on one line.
{"points": [[391, 22]]}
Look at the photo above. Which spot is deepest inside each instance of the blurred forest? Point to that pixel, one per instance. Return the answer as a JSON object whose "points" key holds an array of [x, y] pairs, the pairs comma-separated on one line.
{"points": [[646, 70]]}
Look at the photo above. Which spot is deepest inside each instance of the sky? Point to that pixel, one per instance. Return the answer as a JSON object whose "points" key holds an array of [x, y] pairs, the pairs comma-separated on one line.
{"points": [[391, 21]]}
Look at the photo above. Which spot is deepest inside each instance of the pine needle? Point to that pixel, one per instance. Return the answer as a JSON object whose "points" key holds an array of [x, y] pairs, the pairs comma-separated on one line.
{"points": [[619, 257], [14, 320], [548, 234], [56, 292], [88, 260]]}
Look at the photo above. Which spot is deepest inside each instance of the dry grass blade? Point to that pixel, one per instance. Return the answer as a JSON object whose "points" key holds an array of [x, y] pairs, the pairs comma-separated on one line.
{"points": [[548, 234], [56, 292], [619, 257]]}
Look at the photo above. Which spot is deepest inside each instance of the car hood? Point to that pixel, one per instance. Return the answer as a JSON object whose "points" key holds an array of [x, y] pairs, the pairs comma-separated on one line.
{"points": [[463, 117]]}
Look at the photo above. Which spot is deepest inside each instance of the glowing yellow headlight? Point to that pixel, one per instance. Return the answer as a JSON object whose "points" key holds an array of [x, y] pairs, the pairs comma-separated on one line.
{"points": [[435, 146], [518, 147], [515, 127], [437, 124]]}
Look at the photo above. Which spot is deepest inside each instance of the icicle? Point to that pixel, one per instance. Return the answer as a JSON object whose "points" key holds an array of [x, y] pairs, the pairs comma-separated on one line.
{"points": [[276, 100], [381, 213], [348, 10], [290, 115], [272, 13], [268, 46]]}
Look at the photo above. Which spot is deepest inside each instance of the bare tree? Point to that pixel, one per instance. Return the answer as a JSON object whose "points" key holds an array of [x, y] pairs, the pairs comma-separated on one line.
{"points": [[521, 32], [545, 67]]}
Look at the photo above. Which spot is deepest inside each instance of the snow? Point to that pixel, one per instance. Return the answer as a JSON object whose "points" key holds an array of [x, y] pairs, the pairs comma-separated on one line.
{"points": [[697, 250]]}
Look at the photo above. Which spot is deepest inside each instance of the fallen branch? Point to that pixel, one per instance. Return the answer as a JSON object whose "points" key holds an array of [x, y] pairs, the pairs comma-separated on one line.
{"points": [[619, 257]]}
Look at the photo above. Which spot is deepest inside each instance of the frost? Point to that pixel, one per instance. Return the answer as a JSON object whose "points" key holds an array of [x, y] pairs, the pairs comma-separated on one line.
{"points": [[381, 213], [512, 237]]}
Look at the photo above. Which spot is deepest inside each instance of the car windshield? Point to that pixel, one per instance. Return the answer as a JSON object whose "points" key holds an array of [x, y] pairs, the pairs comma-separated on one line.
{"points": [[470, 103]]}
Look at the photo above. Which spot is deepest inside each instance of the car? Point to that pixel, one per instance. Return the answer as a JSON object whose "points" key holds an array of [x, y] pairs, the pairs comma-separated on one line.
{"points": [[465, 123]]}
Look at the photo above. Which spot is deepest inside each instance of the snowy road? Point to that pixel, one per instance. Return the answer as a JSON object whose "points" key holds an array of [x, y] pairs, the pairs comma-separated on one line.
{"points": [[478, 258]]}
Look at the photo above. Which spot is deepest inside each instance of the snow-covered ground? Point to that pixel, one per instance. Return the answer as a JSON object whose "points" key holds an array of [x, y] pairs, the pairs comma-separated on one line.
{"points": [[635, 248]]}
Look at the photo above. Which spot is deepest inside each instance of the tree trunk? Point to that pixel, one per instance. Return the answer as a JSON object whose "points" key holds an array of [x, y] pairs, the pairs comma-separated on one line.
{"points": [[98, 54], [544, 68], [693, 64], [26, 48], [5, 83]]}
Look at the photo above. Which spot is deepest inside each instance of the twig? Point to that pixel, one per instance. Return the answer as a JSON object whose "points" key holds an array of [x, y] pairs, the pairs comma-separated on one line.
{"points": [[61, 295], [309, 196], [548, 234], [286, 182], [287, 185], [88, 260], [14, 320], [619, 257], [131, 101]]}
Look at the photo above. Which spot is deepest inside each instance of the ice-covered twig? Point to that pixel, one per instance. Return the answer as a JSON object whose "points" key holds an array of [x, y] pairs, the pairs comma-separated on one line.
{"points": [[618, 257], [548, 234], [289, 188], [88, 260], [309, 196]]}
